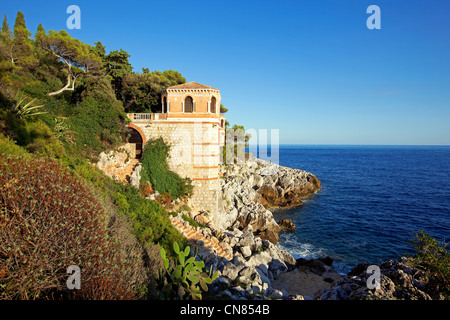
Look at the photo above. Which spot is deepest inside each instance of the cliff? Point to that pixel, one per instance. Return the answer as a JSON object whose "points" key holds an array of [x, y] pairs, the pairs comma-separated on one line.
{"points": [[247, 231], [250, 189]]}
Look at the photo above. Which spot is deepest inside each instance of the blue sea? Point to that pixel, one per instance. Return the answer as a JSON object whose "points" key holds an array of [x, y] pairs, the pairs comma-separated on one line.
{"points": [[373, 200]]}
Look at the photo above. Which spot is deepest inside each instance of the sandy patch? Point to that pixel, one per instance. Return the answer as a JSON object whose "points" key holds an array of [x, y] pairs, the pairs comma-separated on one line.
{"points": [[303, 283]]}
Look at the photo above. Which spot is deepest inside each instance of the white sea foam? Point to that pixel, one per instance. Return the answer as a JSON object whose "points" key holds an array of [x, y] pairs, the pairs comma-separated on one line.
{"points": [[300, 250]]}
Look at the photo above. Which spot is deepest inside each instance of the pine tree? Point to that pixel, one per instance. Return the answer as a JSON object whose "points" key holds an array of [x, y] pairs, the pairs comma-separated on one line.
{"points": [[20, 29], [5, 28], [6, 42], [118, 66], [40, 29], [77, 56], [99, 49], [22, 51]]}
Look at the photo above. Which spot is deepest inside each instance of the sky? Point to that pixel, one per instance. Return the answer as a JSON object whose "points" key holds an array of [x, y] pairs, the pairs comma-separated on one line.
{"points": [[310, 68]]}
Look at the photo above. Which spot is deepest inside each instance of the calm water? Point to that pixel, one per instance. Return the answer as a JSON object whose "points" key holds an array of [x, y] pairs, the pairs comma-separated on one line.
{"points": [[373, 199]]}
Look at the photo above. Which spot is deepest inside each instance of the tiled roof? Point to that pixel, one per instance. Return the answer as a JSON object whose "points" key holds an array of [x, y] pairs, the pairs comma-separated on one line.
{"points": [[191, 85]]}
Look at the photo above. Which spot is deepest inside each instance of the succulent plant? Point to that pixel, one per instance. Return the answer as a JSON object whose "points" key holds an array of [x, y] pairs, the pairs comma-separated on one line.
{"points": [[185, 278]]}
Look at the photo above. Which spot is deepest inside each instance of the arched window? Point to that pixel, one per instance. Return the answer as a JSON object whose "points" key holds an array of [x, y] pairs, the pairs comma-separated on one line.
{"points": [[188, 105], [213, 105], [164, 110]]}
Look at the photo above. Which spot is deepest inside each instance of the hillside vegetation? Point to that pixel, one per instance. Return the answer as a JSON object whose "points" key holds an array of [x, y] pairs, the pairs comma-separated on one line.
{"points": [[62, 102]]}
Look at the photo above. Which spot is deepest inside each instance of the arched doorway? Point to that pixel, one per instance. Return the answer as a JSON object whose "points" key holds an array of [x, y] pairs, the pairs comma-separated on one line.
{"points": [[135, 138], [213, 105], [188, 105]]}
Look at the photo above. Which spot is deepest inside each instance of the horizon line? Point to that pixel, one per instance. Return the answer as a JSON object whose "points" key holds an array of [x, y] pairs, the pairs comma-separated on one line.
{"points": [[349, 144]]}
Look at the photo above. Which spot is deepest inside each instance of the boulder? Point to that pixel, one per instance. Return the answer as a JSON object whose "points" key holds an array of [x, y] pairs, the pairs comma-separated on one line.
{"points": [[314, 265], [286, 224], [232, 268], [246, 251], [269, 234], [135, 177], [277, 267], [260, 258]]}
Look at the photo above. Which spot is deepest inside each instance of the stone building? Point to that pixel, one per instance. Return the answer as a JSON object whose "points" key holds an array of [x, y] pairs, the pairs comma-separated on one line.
{"points": [[191, 123]]}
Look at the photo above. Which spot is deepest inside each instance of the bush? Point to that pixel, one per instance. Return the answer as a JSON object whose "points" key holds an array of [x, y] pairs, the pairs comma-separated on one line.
{"points": [[8, 147], [150, 221], [98, 126], [434, 258], [34, 135], [50, 221], [156, 171], [192, 222]]}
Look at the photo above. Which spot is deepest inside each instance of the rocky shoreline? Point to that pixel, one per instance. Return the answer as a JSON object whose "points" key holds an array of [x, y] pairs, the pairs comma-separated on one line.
{"points": [[262, 270], [249, 190], [247, 229], [245, 236]]}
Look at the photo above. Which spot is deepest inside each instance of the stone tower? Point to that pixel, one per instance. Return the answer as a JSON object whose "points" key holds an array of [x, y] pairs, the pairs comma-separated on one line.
{"points": [[191, 123]]}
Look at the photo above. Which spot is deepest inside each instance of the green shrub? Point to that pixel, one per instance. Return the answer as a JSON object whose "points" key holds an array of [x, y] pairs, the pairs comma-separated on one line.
{"points": [[50, 221], [8, 147], [150, 221], [192, 222], [97, 125], [155, 170], [434, 258], [33, 135]]}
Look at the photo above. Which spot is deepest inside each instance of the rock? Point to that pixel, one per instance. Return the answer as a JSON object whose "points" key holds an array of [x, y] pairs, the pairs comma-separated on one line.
{"points": [[327, 260], [135, 177], [335, 294], [269, 169], [314, 265], [270, 235], [226, 219], [260, 258], [263, 275], [226, 294], [246, 251], [276, 294], [286, 224], [277, 267], [232, 268], [398, 280], [359, 269], [258, 181], [247, 239], [118, 164]]}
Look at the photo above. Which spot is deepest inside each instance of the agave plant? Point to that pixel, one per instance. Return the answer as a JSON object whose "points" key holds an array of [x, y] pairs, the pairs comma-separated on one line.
{"points": [[182, 280], [24, 108]]}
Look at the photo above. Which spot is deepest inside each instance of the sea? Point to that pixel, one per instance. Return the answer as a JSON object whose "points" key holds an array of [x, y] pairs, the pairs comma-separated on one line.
{"points": [[373, 200]]}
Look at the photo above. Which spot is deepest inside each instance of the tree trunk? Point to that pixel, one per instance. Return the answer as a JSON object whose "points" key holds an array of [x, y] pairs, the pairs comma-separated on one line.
{"points": [[70, 79]]}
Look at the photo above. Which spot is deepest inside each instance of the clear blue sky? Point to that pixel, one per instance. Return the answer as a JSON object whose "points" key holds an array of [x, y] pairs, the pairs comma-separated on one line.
{"points": [[310, 68]]}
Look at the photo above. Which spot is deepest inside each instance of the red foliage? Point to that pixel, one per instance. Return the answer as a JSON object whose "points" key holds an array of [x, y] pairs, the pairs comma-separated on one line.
{"points": [[164, 199], [48, 221]]}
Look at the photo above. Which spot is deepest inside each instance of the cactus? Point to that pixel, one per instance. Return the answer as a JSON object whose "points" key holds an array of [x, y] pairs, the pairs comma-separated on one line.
{"points": [[185, 278]]}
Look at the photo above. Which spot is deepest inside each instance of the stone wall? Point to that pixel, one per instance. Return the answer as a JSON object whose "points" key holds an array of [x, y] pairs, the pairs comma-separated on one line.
{"points": [[195, 153]]}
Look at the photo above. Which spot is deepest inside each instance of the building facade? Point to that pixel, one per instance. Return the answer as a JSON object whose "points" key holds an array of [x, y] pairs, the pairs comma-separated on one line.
{"points": [[191, 123]]}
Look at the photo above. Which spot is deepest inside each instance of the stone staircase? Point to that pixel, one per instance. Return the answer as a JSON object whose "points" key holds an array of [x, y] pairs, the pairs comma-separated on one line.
{"points": [[192, 233], [128, 170]]}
